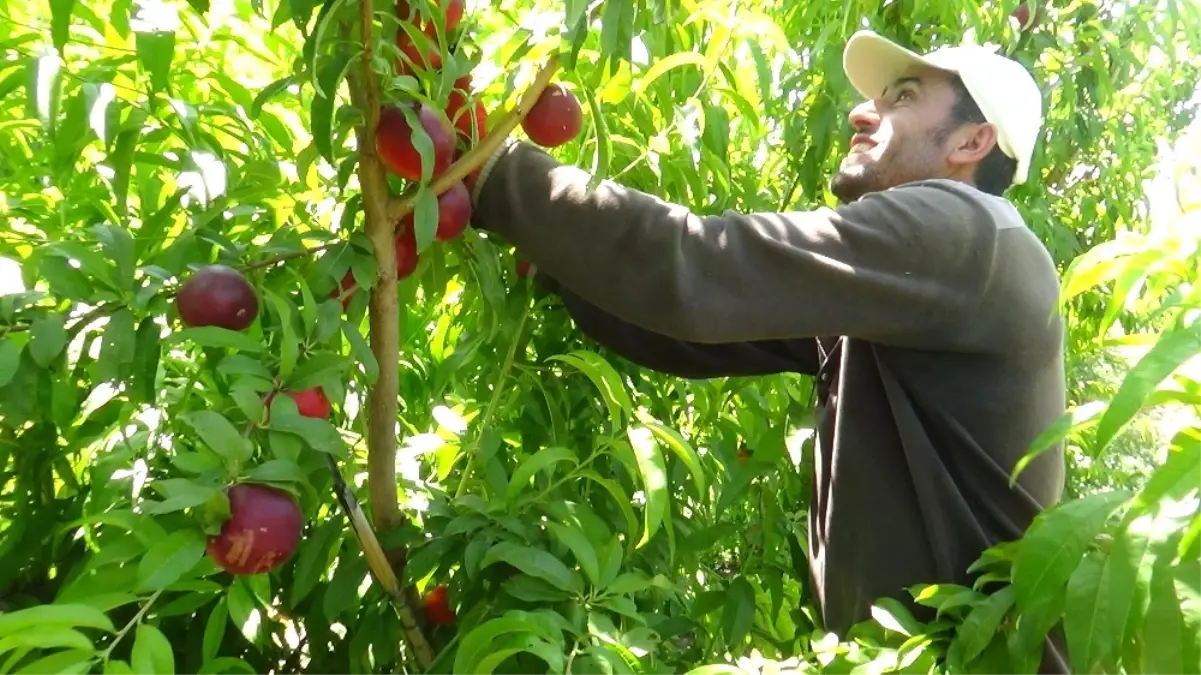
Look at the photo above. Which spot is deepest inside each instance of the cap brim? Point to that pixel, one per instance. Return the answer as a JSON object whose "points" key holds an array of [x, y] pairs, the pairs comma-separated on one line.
{"points": [[872, 62]]}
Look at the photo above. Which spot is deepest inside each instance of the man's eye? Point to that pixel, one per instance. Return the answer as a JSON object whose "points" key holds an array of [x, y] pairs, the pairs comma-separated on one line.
{"points": [[904, 95]]}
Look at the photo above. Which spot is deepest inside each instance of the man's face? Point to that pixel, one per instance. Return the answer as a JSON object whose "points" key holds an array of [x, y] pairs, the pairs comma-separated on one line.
{"points": [[896, 136]]}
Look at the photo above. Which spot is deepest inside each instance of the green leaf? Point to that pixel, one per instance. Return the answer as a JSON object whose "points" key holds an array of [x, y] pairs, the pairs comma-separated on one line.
{"points": [[575, 540], [71, 662], [361, 351], [536, 462], [1170, 631], [60, 22], [180, 494], [316, 370], [617, 399], [117, 244], [1175, 477], [620, 498], [313, 559], [683, 450], [156, 50], [532, 589], [630, 582], [226, 664], [895, 617], [1170, 351], [169, 559], [117, 667], [1084, 621], [146, 357], [214, 630], [269, 92], [220, 435], [479, 642], [50, 616], [977, 630], [47, 337], [276, 471], [151, 651], [216, 336], [534, 562], [1055, 543], [321, 113], [654, 480], [46, 637], [288, 344], [739, 612], [118, 346], [10, 360]]}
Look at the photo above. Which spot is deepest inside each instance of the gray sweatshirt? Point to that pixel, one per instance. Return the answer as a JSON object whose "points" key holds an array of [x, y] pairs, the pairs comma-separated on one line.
{"points": [[927, 313]]}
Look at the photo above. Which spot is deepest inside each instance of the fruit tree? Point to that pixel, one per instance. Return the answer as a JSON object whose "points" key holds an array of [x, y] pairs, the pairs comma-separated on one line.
{"points": [[269, 402]]}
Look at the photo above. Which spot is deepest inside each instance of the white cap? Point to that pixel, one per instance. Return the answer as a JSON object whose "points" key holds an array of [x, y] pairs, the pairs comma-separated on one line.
{"points": [[1002, 87]]}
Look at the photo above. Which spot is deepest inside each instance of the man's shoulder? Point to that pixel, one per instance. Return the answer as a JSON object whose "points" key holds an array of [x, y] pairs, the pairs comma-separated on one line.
{"points": [[959, 195]]}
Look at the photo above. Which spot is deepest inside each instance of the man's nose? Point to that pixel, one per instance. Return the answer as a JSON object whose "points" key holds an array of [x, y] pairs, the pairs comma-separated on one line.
{"points": [[864, 117]]}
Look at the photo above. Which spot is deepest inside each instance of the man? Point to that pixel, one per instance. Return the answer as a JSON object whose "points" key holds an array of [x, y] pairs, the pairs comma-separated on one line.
{"points": [[923, 305]]}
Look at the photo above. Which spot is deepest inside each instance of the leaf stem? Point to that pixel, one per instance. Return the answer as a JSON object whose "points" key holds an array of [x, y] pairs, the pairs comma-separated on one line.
{"points": [[494, 401], [137, 618]]}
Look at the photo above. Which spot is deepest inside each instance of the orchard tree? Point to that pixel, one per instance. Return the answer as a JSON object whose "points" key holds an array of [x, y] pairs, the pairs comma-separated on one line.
{"points": [[269, 403]]}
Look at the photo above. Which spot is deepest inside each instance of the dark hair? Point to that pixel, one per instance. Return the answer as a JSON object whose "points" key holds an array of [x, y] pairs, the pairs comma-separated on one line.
{"points": [[994, 173]]}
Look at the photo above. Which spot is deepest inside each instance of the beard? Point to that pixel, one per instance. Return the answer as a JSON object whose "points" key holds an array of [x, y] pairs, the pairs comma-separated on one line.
{"points": [[848, 185]]}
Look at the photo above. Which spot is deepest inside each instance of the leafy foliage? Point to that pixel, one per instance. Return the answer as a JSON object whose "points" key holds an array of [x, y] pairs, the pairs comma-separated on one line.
{"points": [[587, 515]]}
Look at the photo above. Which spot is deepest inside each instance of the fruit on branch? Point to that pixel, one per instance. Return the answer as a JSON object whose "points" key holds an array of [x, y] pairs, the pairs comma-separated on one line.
{"points": [[1022, 14], [406, 252], [309, 402], [470, 118], [437, 606], [431, 58], [523, 268], [262, 532], [217, 295], [453, 13], [555, 118], [394, 141], [345, 289], [454, 212]]}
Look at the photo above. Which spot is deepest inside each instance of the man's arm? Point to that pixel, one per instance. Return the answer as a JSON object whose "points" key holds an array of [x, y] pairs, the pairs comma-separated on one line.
{"points": [[907, 266], [686, 359]]}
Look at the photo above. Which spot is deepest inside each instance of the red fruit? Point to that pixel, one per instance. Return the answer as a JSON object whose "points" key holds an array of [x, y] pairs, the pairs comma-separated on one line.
{"points": [[408, 13], [458, 112], [346, 288], [261, 533], [555, 119], [1022, 14], [523, 268], [217, 295], [406, 252], [743, 455], [311, 403], [394, 142], [454, 211], [431, 59], [470, 123], [437, 606]]}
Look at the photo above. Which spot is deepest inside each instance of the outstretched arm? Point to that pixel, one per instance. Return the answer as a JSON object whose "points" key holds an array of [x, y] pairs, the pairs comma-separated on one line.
{"points": [[686, 359], [906, 266]]}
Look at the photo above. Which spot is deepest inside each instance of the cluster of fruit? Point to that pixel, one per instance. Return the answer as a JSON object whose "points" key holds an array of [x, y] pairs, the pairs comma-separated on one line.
{"points": [[266, 522], [556, 118]]}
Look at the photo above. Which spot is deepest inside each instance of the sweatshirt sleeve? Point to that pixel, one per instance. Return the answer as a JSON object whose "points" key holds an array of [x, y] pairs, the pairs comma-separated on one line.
{"points": [[686, 359], [906, 266]]}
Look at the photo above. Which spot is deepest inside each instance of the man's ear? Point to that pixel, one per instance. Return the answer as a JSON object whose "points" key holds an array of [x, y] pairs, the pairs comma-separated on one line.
{"points": [[973, 143]]}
